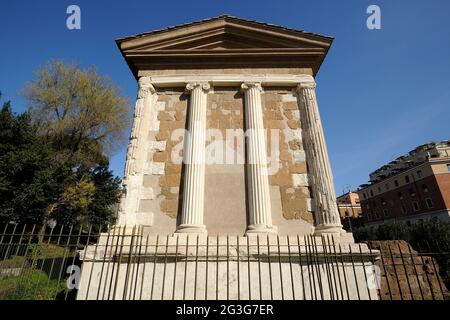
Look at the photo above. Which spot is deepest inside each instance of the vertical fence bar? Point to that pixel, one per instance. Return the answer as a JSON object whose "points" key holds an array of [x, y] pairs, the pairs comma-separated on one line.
{"points": [[155, 257], [259, 267], [141, 238], [315, 257], [175, 270], [238, 274], [385, 272], [21, 274], [270, 267], [130, 255], [354, 271], [66, 250], [75, 255], [373, 264], [343, 269], [43, 261], [436, 272], [248, 275], [112, 262], [365, 273], [94, 260], [327, 268], [290, 267], [430, 286], [206, 268], [53, 262], [196, 268], [8, 246], [395, 271], [280, 266], [164, 268], [185, 266], [301, 268], [105, 254], [116, 281], [406, 271], [336, 267], [309, 263], [415, 271], [228, 269], [143, 269], [217, 267]]}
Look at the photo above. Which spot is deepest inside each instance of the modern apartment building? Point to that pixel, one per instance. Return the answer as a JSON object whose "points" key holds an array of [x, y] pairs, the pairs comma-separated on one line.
{"points": [[412, 187]]}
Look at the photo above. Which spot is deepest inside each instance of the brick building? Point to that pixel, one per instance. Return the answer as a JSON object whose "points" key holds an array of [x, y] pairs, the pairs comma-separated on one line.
{"points": [[349, 208], [412, 187]]}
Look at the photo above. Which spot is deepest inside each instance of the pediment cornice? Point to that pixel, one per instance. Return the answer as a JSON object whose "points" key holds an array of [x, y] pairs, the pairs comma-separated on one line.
{"points": [[224, 42]]}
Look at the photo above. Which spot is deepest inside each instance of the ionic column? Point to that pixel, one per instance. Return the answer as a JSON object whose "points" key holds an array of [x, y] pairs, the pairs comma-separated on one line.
{"points": [[260, 213], [326, 215], [194, 157], [136, 153]]}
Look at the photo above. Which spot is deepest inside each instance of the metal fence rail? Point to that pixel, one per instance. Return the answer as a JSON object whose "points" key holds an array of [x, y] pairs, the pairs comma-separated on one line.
{"points": [[126, 263]]}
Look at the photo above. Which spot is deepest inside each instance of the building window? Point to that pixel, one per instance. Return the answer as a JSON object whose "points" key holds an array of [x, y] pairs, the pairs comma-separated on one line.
{"points": [[369, 216], [383, 202], [425, 188], [379, 189], [415, 206], [400, 195], [364, 195], [385, 213], [412, 193], [419, 174], [407, 179], [386, 186], [396, 183], [404, 210], [430, 203], [371, 193]]}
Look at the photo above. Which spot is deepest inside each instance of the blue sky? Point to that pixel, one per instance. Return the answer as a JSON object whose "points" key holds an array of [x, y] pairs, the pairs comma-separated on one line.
{"points": [[380, 92]]}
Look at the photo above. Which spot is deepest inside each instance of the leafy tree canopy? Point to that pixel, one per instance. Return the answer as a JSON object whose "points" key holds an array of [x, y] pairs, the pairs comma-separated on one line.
{"points": [[81, 112]]}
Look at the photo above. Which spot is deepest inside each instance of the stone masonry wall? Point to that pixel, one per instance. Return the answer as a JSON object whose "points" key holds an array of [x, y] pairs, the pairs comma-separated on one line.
{"points": [[225, 208]]}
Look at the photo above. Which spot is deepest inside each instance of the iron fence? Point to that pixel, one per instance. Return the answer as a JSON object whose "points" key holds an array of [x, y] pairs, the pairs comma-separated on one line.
{"points": [[128, 263]]}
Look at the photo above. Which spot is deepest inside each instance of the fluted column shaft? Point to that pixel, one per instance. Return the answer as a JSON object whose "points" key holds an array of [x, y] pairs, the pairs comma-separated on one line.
{"points": [[327, 219], [260, 213], [135, 158], [194, 157]]}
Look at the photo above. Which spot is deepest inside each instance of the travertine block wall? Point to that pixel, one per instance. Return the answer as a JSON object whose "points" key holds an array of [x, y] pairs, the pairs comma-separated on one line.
{"points": [[225, 179]]}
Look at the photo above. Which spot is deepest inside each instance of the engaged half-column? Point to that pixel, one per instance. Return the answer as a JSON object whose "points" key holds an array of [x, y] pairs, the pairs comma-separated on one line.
{"points": [[260, 213], [327, 219], [194, 158]]}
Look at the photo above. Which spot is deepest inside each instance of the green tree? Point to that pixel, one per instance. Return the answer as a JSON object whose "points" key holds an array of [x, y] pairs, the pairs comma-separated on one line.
{"points": [[81, 112], [30, 179], [36, 185], [91, 199]]}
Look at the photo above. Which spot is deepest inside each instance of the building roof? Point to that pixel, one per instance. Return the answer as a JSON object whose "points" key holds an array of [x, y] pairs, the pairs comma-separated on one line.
{"points": [[224, 41]]}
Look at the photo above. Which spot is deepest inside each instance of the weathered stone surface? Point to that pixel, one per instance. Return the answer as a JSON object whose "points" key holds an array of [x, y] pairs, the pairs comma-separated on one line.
{"points": [[406, 274]]}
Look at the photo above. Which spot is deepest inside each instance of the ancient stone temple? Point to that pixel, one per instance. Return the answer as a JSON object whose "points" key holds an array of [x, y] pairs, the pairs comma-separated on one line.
{"points": [[226, 80], [226, 140]]}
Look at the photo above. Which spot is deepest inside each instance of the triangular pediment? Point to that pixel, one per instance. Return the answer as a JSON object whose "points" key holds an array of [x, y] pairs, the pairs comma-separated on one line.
{"points": [[224, 40]]}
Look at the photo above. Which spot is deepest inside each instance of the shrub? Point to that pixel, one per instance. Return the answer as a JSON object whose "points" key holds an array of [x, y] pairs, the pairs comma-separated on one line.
{"points": [[34, 285]]}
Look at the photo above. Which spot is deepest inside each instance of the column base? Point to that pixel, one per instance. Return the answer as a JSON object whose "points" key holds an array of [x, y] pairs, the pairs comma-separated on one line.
{"points": [[191, 228], [336, 231], [261, 228]]}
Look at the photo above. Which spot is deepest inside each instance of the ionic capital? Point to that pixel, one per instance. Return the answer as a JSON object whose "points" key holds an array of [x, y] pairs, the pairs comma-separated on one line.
{"points": [[203, 85], [248, 85], [306, 85], [145, 87]]}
